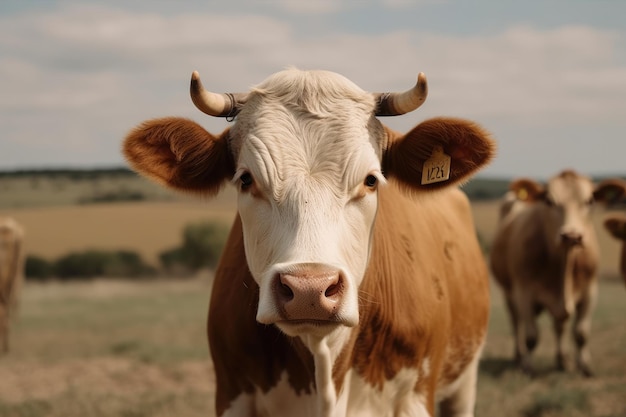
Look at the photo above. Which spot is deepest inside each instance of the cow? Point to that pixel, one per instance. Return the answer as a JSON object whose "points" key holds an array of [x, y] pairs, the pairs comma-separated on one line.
{"points": [[352, 282], [11, 274], [615, 224], [545, 256]]}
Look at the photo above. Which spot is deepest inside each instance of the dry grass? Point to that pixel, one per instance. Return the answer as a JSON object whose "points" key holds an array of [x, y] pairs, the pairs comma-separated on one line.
{"points": [[122, 348], [109, 348], [147, 228]]}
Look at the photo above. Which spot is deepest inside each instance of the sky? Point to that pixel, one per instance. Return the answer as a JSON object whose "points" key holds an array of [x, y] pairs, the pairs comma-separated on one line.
{"points": [[547, 78]]}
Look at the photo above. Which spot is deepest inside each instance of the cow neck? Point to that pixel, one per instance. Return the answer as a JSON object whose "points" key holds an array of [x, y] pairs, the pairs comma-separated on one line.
{"points": [[569, 261], [324, 359], [389, 340], [576, 266]]}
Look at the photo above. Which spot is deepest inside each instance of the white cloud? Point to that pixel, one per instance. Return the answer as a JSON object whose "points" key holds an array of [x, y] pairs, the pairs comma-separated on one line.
{"points": [[100, 70], [308, 6]]}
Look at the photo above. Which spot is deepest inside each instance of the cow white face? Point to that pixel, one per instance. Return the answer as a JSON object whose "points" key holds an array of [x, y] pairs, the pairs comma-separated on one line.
{"points": [[569, 199], [307, 181]]}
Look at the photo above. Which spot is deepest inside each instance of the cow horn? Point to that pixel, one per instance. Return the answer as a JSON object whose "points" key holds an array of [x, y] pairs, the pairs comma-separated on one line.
{"points": [[213, 104], [394, 104]]}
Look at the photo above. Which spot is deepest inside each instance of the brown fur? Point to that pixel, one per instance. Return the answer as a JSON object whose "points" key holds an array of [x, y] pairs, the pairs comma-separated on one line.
{"points": [[11, 274], [180, 154], [615, 224], [463, 140], [407, 300]]}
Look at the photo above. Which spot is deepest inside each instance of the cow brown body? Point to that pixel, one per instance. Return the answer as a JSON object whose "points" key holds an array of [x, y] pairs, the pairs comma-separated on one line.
{"points": [[334, 296], [424, 303], [11, 274], [545, 257]]}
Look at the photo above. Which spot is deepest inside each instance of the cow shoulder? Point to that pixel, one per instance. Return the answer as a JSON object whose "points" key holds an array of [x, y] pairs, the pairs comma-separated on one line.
{"points": [[425, 256]]}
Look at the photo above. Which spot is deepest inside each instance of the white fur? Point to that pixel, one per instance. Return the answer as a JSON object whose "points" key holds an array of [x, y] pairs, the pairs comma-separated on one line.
{"points": [[309, 170], [359, 399], [396, 399]]}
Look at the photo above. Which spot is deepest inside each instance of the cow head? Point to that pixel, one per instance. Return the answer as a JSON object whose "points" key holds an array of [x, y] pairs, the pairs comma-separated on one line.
{"points": [[567, 199], [307, 155]]}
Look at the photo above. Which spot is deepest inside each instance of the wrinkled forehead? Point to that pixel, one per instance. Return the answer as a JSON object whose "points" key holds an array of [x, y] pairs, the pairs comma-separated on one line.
{"points": [[570, 187], [311, 106]]}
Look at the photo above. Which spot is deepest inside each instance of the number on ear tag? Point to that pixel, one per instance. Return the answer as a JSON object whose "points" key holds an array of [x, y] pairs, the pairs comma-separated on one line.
{"points": [[437, 167]]}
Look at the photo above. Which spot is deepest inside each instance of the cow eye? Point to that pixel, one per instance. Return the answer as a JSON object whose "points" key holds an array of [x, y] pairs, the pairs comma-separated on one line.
{"points": [[370, 181], [246, 180]]}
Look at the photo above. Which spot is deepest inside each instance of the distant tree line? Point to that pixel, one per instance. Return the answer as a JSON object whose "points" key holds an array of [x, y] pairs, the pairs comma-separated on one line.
{"points": [[202, 246], [478, 188], [73, 174]]}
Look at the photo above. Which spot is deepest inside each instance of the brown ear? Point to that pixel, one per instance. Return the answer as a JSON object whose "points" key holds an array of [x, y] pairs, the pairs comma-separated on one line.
{"points": [[609, 191], [468, 145], [180, 154], [615, 224], [527, 190]]}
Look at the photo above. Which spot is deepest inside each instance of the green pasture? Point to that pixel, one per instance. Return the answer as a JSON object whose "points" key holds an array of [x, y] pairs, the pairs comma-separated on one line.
{"points": [[122, 348]]}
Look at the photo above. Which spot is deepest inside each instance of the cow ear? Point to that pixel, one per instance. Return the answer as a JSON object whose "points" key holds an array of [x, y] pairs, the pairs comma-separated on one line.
{"points": [[528, 190], [609, 191], [180, 154], [616, 225], [463, 145]]}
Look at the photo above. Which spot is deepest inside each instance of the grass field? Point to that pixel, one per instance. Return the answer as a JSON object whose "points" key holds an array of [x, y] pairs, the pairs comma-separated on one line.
{"points": [[121, 348], [145, 227]]}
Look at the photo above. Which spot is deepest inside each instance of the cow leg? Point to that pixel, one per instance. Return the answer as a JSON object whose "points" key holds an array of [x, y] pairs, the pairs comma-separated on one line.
{"points": [[462, 401], [525, 328], [582, 328], [559, 323], [531, 332], [514, 323], [4, 336], [4, 329]]}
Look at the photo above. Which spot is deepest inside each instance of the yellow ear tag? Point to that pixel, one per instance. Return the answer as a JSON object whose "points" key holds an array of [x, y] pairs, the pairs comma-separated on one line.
{"points": [[522, 194], [437, 167]]}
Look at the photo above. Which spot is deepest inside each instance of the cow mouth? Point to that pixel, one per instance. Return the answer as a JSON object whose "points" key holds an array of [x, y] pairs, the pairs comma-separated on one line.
{"points": [[305, 322], [302, 327]]}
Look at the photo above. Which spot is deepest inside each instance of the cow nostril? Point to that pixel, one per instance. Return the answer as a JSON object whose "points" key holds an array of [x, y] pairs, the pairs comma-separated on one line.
{"points": [[285, 291], [571, 238], [333, 290]]}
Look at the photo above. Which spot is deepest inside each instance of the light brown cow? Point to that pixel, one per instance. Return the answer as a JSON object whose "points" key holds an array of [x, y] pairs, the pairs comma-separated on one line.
{"points": [[545, 256], [615, 223], [348, 285], [11, 274]]}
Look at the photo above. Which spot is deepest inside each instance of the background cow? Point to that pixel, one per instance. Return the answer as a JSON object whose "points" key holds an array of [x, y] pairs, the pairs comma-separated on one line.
{"points": [[348, 285], [11, 274], [545, 256], [615, 223]]}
